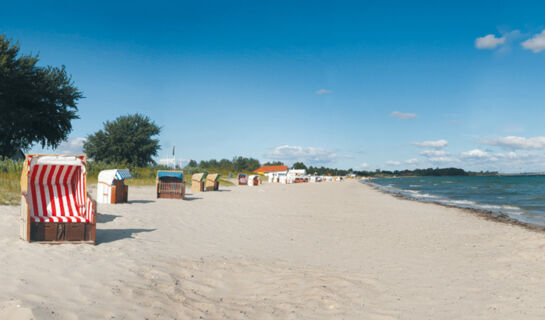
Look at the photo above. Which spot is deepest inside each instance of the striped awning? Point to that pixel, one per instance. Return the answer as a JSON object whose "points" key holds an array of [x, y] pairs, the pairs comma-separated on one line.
{"points": [[175, 174], [123, 174]]}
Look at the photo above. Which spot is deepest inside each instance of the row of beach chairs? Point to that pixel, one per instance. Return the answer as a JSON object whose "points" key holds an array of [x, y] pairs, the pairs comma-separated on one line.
{"points": [[56, 208]]}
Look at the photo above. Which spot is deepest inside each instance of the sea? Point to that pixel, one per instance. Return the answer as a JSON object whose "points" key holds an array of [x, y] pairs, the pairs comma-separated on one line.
{"points": [[519, 197]]}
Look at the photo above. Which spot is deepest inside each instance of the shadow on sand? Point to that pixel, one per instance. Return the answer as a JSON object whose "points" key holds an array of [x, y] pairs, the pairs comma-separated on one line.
{"points": [[103, 218], [191, 198], [111, 235], [140, 201]]}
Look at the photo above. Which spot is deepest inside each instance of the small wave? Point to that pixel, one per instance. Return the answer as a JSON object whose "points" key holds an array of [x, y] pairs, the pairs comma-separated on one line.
{"points": [[415, 185], [460, 203], [513, 208], [431, 196]]}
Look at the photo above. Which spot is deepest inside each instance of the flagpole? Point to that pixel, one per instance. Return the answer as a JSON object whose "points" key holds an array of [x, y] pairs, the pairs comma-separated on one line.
{"points": [[174, 156]]}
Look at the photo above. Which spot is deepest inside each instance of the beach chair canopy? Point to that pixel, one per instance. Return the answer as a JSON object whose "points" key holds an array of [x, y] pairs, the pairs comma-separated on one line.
{"points": [[198, 177], [170, 174], [108, 176], [213, 177], [55, 187]]}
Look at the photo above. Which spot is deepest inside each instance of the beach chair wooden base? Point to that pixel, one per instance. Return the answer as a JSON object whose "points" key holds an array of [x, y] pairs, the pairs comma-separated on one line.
{"points": [[171, 196], [120, 192], [197, 186], [61, 232]]}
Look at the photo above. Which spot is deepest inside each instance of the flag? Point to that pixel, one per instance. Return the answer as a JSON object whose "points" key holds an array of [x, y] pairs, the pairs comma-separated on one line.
{"points": [[174, 150]]}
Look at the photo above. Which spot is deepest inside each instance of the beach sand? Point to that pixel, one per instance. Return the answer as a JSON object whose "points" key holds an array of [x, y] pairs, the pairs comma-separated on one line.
{"points": [[336, 250]]}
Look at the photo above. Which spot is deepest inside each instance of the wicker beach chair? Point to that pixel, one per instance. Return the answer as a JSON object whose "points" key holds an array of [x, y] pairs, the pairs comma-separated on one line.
{"points": [[170, 184], [111, 187], [55, 207], [242, 179], [197, 182], [212, 182], [253, 180]]}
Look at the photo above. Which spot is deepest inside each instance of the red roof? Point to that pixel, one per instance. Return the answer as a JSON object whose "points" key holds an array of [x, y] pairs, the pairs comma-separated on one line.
{"points": [[266, 169]]}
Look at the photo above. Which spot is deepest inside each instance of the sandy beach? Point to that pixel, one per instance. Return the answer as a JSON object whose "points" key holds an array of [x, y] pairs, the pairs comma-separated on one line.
{"points": [[306, 251]]}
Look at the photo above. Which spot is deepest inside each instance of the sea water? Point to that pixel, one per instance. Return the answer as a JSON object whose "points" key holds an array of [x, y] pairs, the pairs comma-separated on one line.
{"points": [[519, 197]]}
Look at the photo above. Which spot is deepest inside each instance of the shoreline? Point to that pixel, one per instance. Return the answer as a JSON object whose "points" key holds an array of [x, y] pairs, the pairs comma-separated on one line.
{"points": [[482, 213]]}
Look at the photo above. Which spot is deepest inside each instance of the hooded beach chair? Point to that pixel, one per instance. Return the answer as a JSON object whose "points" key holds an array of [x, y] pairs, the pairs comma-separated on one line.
{"points": [[242, 180], [212, 182], [111, 187], [197, 182], [253, 180], [55, 207], [170, 184]]}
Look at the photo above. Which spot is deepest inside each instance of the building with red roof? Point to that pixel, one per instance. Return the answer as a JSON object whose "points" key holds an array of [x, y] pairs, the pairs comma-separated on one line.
{"points": [[274, 173], [271, 169]]}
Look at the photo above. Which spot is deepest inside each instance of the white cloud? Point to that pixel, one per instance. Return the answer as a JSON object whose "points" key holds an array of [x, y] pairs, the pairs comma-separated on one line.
{"points": [[536, 43], [71, 146], [323, 91], [516, 143], [475, 154], [402, 116], [434, 153], [411, 161], [489, 42], [393, 163], [432, 144], [305, 154]]}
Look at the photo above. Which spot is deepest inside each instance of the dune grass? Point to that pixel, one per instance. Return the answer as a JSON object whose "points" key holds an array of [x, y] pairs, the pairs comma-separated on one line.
{"points": [[10, 175]]}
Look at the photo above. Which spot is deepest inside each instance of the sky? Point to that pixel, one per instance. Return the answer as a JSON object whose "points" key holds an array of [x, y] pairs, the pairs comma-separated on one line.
{"points": [[363, 85]]}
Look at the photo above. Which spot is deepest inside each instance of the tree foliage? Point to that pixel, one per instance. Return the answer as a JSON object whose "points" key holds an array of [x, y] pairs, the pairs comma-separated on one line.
{"points": [[238, 164], [37, 104], [274, 163], [128, 139], [299, 165]]}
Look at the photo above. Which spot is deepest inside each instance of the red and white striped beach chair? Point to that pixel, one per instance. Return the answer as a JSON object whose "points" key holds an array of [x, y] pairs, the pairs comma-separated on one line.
{"points": [[55, 207]]}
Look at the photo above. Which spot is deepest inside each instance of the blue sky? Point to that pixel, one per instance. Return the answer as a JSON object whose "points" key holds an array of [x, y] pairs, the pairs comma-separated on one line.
{"points": [[362, 85]]}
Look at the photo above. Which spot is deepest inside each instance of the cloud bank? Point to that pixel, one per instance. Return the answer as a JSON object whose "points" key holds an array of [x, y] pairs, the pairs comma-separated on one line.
{"points": [[402, 116], [517, 143]]}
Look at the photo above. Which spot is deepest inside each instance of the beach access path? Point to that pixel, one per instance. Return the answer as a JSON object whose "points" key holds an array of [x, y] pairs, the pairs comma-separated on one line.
{"points": [[332, 250]]}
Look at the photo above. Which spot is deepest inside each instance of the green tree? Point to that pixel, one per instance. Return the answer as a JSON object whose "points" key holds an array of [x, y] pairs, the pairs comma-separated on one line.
{"points": [[37, 104], [192, 163], [245, 164], [226, 164], [274, 163], [128, 139], [299, 165]]}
